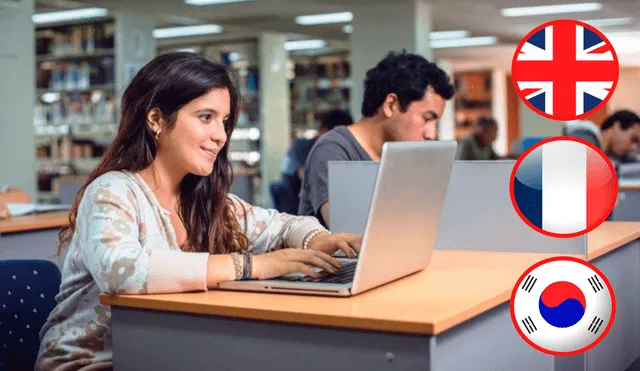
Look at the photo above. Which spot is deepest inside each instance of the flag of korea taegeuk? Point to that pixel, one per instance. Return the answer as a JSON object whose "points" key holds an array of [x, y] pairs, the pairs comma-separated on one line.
{"points": [[563, 187], [563, 306]]}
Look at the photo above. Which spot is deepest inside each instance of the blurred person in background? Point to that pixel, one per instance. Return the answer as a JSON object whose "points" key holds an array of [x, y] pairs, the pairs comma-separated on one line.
{"points": [[478, 145], [285, 193], [617, 137]]}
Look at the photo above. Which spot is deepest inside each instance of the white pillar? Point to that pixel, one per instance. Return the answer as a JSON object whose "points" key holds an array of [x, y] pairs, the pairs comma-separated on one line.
{"points": [[135, 46], [499, 109], [17, 96], [447, 123], [377, 30], [275, 114]]}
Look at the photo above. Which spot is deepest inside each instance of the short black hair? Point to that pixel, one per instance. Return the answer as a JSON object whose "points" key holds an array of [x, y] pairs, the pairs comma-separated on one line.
{"points": [[485, 121], [336, 117], [408, 76], [626, 118]]}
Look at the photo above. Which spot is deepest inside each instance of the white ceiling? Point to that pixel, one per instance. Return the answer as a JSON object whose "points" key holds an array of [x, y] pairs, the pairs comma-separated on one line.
{"points": [[481, 18]]}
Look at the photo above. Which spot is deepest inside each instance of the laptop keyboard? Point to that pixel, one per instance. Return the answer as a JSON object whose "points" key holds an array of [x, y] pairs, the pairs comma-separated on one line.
{"points": [[344, 275]]}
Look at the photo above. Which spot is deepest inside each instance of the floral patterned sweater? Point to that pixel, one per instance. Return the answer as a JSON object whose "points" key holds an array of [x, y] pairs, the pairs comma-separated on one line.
{"points": [[124, 243]]}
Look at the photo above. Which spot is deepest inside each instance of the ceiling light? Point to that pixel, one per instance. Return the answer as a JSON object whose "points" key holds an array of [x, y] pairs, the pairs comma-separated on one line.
{"points": [[68, 15], [608, 21], [439, 35], [550, 9], [324, 18], [304, 44], [347, 28], [213, 2], [467, 41], [205, 29]]}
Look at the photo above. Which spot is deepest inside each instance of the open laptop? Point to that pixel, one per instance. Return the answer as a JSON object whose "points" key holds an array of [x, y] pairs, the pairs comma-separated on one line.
{"points": [[401, 229]]}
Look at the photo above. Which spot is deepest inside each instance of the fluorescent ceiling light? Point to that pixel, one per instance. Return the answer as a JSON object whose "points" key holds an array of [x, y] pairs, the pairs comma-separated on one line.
{"points": [[347, 28], [608, 21], [68, 15], [324, 18], [439, 35], [205, 29], [213, 2], [467, 41], [551, 9], [304, 44]]}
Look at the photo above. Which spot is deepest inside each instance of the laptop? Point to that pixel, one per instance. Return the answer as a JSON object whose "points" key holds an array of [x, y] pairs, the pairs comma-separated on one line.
{"points": [[401, 228]]}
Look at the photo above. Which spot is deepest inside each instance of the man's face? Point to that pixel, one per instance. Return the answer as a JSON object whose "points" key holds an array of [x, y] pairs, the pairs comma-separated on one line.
{"points": [[419, 122], [625, 142], [489, 135]]}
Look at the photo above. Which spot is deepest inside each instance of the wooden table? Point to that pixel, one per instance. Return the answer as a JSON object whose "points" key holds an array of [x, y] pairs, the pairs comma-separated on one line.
{"points": [[32, 236], [452, 316]]}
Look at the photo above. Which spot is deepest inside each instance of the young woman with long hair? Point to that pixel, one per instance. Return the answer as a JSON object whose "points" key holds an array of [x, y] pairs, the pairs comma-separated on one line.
{"points": [[156, 215]]}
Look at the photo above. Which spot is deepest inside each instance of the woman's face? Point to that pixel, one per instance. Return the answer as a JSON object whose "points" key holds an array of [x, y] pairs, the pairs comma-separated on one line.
{"points": [[198, 135]]}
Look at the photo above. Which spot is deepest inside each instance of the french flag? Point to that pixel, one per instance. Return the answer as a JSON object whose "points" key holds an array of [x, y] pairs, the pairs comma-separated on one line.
{"points": [[563, 187]]}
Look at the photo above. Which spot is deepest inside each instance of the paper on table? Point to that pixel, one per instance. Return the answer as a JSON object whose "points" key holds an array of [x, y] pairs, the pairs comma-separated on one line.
{"points": [[24, 209]]}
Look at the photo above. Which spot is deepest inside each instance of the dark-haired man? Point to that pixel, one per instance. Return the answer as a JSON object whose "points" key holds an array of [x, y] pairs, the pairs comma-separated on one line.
{"points": [[404, 96], [618, 136], [478, 145]]}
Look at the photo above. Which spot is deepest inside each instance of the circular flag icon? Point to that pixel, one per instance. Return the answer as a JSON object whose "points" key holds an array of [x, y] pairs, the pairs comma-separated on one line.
{"points": [[565, 70], [563, 306], [563, 187]]}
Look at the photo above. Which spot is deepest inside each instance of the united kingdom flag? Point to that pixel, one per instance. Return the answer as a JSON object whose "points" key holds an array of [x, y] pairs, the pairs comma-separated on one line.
{"points": [[565, 69]]}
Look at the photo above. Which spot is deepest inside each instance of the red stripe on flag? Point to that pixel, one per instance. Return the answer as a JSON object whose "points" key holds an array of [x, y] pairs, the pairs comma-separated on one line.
{"points": [[600, 50], [600, 188], [529, 91]]}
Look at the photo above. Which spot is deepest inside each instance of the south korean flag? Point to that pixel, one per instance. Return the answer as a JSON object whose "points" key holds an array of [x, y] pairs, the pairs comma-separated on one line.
{"points": [[563, 306]]}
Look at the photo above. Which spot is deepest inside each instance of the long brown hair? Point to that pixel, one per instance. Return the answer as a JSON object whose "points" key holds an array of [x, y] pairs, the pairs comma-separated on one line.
{"points": [[168, 83]]}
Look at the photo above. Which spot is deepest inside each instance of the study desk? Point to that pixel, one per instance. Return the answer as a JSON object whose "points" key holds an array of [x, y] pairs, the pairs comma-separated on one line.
{"points": [[452, 316], [32, 236]]}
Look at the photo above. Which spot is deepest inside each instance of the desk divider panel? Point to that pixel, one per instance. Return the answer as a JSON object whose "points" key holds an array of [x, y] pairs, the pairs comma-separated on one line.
{"points": [[477, 214]]}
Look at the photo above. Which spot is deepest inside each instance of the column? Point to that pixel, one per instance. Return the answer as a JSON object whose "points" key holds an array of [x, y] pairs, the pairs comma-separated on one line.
{"points": [[17, 96], [499, 107], [447, 124], [388, 26], [275, 111], [135, 46]]}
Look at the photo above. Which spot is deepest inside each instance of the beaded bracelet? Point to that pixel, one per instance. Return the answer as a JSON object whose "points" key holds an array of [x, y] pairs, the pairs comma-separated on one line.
{"points": [[237, 264], [311, 235]]}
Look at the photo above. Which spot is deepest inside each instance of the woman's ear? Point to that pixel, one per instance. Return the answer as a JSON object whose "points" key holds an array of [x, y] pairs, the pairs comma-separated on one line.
{"points": [[154, 119], [390, 105]]}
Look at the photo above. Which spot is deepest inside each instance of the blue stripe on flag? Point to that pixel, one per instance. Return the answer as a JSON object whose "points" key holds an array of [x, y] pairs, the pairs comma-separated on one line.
{"points": [[527, 187]]}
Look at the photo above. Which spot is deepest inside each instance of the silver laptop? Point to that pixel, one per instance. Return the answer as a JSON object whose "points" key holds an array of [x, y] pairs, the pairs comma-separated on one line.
{"points": [[401, 229]]}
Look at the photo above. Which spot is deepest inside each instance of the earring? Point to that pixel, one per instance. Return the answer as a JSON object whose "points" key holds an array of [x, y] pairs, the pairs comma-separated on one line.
{"points": [[157, 134]]}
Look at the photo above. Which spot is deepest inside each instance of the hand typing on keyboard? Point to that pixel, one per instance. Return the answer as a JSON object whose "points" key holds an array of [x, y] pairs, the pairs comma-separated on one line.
{"points": [[343, 275]]}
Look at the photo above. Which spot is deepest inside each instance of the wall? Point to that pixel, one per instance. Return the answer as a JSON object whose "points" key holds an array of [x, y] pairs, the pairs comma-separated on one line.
{"points": [[17, 96], [626, 95]]}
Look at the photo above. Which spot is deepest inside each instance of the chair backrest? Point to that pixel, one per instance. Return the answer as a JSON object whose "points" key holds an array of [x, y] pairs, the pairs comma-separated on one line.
{"points": [[27, 297]]}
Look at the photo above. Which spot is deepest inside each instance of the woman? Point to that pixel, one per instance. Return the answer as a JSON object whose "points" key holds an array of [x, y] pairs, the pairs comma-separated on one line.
{"points": [[156, 216]]}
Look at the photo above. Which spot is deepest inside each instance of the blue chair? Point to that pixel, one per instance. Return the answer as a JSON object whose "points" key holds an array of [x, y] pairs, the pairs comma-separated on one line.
{"points": [[27, 297]]}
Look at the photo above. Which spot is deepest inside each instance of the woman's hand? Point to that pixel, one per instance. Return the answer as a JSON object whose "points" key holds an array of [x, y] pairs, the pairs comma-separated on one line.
{"points": [[285, 261], [330, 243]]}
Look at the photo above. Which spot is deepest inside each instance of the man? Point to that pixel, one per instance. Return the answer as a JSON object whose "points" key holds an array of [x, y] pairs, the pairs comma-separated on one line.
{"points": [[404, 96], [285, 192], [617, 137], [478, 144]]}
